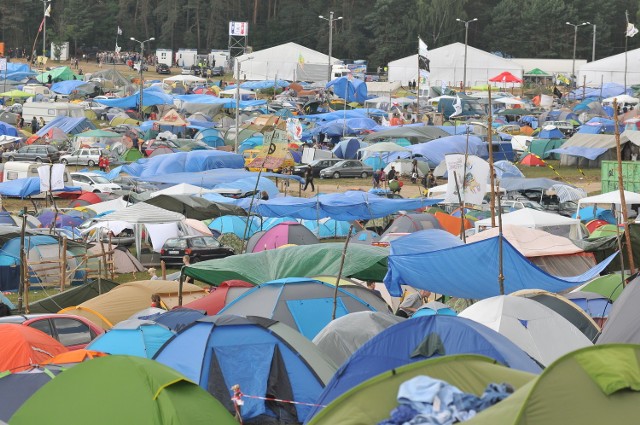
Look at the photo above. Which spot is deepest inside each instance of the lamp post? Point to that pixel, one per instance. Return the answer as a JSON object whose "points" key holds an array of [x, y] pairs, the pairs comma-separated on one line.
{"points": [[140, 66], [466, 38], [330, 19], [45, 3], [593, 47], [575, 40], [238, 62]]}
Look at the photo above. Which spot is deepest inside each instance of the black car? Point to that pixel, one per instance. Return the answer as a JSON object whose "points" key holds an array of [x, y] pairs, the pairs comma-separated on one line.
{"points": [[163, 68], [37, 153], [217, 71], [198, 248], [316, 165]]}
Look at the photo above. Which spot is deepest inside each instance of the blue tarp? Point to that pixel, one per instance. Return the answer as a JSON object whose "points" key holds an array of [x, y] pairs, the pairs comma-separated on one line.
{"points": [[151, 96], [506, 169], [18, 71], [607, 90], [261, 85], [350, 89], [183, 162], [426, 241], [409, 342], [345, 114], [342, 127], [25, 187], [589, 153], [435, 150], [212, 100], [347, 206], [67, 87], [348, 149], [211, 178], [478, 278], [68, 125]]}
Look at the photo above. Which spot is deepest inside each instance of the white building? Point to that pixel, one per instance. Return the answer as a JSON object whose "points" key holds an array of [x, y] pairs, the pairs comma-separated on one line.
{"points": [[611, 70], [447, 65], [165, 56], [186, 58], [287, 61]]}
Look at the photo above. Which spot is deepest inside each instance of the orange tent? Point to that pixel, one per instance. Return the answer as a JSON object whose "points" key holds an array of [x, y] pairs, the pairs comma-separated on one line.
{"points": [[73, 357], [23, 346], [532, 161], [451, 224]]}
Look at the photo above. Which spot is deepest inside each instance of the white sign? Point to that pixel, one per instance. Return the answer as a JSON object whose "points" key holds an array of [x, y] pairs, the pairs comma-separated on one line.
{"points": [[3, 64], [240, 29], [471, 179]]}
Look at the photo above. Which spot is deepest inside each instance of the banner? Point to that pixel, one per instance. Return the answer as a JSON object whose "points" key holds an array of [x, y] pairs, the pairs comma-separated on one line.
{"points": [[423, 59], [471, 182], [238, 29]]}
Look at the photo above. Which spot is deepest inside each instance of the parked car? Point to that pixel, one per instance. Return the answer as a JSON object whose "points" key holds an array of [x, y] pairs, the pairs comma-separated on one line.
{"points": [[198, 248], [93, 182], [217, 71], [85, 156], [518, 204], [163, 68], [187, 70], [37, 153], [316, 166], [74, 332], [347, 168]]}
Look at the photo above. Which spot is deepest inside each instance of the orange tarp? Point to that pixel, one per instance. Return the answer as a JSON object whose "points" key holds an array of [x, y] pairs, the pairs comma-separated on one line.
{"points": [[75, 356], [451, 224]]}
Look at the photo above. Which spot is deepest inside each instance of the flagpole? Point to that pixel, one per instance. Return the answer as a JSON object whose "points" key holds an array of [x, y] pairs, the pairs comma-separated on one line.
{"points": [[626, 42], [418, 85]]}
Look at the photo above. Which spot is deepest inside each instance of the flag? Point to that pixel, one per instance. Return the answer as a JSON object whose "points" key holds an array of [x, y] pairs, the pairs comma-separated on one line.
{"points": [[41, 25], [471, 180], [117, 48], [119, 31], [47, 12], [423, 55], [301, 61], [631, 30], [457, 106]]}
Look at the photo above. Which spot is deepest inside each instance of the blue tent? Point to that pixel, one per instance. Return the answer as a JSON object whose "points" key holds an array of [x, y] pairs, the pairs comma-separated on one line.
{"points": [[478, 278], [434, 308], [264, 357], [8, 130], [376, 162], [364, 237], [305, 304], [551, 133], [590, 213], [598, 125], [178, 319], [68, 125], [344, 114], [347, 206], [435, 150], [140, 338], [327, 228], [268, 223], [419, 339], [506, 169], [236, 225], [251, 143], [10, 259], [350, 89], [150, 96], [342, 127], [183, 162]]}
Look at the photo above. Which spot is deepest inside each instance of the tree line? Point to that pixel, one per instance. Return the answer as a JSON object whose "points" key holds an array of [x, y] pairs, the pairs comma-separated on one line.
{"points": [[375, 30]]}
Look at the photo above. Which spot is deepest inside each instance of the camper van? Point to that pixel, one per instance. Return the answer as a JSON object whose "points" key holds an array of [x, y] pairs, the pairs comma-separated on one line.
{"points": [[51, 110], [38, 89]]}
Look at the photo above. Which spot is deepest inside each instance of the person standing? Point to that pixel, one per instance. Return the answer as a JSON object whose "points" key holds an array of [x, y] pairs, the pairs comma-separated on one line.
{"points": [[412, 303], [42, 123], [391, 175], [103, 163], [308, 179], [34, 125], [152, 274]]}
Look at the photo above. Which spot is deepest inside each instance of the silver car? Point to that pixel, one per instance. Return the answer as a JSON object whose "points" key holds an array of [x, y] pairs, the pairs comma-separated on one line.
{"points": [[347, 168], [84, 156]]}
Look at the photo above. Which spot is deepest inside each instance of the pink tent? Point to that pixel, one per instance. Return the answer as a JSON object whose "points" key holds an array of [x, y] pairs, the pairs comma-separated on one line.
{"points": [[289, 232], [225, 293]]}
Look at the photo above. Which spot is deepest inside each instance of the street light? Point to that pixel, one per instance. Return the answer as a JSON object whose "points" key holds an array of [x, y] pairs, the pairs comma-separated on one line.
{"points": [[238, 62], [466, 38], [593, 48], [575, 40], [330, 19], [45, 3], [140, 66]]}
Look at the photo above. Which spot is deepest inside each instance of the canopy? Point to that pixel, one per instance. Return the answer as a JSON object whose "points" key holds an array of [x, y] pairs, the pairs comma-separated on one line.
{"points": [[347, 206], [505, 77], [536, 72], [447, 277], [362, 261], [612, 197], [143, 213]]}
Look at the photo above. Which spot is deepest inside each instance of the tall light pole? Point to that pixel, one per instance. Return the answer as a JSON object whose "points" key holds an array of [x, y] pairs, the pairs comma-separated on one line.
{"points": [[140, 65], [238, 62], [45, 4], [593, 47], [330, 19], [575, 40], [466, 39]]}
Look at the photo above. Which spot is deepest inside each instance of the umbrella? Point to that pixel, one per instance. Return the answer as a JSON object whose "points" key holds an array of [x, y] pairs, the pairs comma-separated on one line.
{"points": [[505, 77]]}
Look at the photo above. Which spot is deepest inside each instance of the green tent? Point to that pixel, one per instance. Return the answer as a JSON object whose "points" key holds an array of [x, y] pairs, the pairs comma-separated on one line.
{"points": [[606, 230], [74, 296], [536, 72], [122, 390], [16, 94], [61, 73], [131, 155], [372, 401], [594, 385], [541, 147], [100, 134], [609, 286], [362, 262]]}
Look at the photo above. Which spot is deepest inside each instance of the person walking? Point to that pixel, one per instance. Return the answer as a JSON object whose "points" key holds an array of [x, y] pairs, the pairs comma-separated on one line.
{"points": [[308, 179]]}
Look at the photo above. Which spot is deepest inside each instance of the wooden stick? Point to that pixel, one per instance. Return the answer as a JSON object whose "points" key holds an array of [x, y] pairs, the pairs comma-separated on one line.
{"points": [[63, 264]]}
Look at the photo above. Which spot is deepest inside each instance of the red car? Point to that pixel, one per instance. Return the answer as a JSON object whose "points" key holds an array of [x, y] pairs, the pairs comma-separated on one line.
{"points": [[74, 332]]}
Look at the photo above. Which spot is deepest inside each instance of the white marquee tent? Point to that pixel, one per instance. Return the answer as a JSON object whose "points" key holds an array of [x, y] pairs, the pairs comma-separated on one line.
{"points": [[611, 69], [281, 61], [447, 64]]}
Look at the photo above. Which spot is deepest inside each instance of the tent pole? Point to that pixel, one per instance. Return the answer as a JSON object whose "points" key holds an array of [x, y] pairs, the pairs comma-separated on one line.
{"points": [[491, 169], [500, 253], [23, 259], [462, 235], [623, 204], [344, 255]]}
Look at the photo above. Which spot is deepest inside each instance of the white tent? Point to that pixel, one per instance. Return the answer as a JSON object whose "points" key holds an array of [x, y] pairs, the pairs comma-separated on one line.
{"points": [[622, 99], [536, 329], [185, 79], [611, 69], [280, 61], [549, 222], [181, 189], [447, 65], [161, 224], [231, 93], [610, 199], [111, 205]]}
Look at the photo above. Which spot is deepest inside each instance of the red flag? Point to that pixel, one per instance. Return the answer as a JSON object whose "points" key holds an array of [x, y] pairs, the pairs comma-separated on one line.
{"points": [[41, 25]]}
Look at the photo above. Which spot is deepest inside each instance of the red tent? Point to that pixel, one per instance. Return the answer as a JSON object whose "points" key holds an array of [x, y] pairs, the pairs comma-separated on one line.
{"points": [[532, 160], [505, 77], [223, 295], [23, 346], [88, 198]]}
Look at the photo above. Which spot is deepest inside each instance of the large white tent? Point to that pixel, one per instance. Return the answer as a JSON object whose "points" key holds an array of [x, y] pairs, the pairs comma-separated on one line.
{"points": [[549, 222], [447, 65], [282, 62], [611, 70]]}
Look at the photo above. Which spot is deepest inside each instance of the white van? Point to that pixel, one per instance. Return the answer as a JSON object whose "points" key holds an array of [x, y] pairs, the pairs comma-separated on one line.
{"points": [[51, 110]]}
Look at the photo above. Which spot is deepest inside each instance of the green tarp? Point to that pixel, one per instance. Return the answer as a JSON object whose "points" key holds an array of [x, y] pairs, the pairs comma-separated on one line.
{"points": [[61, 73], [71, 297], [362, 262]]}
